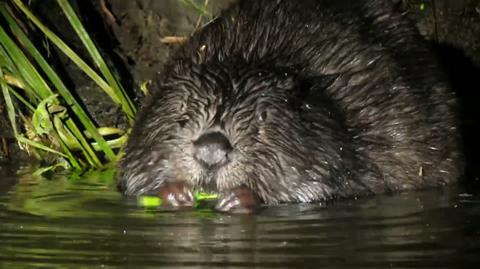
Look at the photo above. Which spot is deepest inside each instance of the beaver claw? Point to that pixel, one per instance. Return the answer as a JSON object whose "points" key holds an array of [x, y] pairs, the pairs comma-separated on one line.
{"points": [[176, 194], [240, 200]]}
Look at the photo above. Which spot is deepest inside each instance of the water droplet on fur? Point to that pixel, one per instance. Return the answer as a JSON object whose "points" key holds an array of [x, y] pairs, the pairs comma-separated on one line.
{"points": [[294, 169], [260, 74], [308, 106], [312, 175]]}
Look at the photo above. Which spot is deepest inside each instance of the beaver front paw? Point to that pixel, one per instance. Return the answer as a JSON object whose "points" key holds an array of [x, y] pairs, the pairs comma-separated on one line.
{"points": [[240, 200], [176, 194]]}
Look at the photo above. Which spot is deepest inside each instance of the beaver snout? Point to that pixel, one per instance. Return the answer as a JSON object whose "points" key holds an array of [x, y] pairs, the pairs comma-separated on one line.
{"points": [[211, 149]]}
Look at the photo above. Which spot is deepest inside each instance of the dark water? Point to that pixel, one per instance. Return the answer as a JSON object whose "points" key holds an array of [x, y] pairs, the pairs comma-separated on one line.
{"points": [[68, 222]]}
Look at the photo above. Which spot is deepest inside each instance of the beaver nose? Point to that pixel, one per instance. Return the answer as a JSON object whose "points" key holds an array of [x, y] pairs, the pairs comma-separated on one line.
{"points": [[211, 149]]}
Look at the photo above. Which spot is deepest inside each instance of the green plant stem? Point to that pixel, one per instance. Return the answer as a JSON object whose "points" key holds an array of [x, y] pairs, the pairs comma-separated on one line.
{"points": [[75, 58], [127, 104], [88, 151]]}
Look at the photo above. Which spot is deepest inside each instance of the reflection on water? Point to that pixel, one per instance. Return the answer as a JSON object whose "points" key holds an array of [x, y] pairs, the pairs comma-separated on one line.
{"points": [[85, 223]]}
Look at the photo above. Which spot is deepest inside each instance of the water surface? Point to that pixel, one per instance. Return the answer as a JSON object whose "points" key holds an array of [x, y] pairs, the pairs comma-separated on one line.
{"points": [[67, 222]]}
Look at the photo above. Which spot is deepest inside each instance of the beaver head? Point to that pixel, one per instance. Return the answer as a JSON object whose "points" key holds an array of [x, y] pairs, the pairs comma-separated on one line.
{"points": [[219, 126]]}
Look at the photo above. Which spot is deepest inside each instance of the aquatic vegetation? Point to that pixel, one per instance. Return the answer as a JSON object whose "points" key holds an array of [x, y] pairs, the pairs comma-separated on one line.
{"points": [[200, 9], [46, 116], [200, 198]]}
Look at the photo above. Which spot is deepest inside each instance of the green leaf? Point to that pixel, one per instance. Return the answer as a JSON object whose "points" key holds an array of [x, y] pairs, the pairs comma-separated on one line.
{"points": [[118, 91], [67, 95], [149, 201], [205, 196], [41, 117], [8, 103]]}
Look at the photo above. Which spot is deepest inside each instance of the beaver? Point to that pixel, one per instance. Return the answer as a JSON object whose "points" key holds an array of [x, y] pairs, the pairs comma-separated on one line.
{"points": [[296, 101]]}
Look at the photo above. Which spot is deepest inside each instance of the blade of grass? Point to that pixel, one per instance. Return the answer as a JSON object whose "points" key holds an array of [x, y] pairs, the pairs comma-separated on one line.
{"points": [[11, 117], [71, 158], [36, 81], [43, 122], [32, 143], [127, 105], [24, 67], [8, 104], [114, 143], [11, 80], [21, 99], [65, 93], [43, 170], [70, 54], [199, 8]]}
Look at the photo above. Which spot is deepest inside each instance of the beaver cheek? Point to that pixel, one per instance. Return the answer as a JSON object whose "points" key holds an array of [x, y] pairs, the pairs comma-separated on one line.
{"points": [[240, 200], [176, 194]]}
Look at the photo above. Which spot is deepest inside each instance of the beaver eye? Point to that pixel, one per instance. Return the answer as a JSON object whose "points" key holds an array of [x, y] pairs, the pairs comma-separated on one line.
{"points": [[262, 116], [182, 121], [182, 107]]}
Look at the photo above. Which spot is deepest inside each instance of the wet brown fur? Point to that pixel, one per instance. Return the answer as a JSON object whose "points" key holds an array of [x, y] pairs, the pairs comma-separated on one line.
{"points": [[319, 99]]}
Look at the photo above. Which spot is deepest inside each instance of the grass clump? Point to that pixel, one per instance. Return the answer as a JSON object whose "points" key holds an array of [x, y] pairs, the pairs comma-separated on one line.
{"points": [[46, 117]]}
